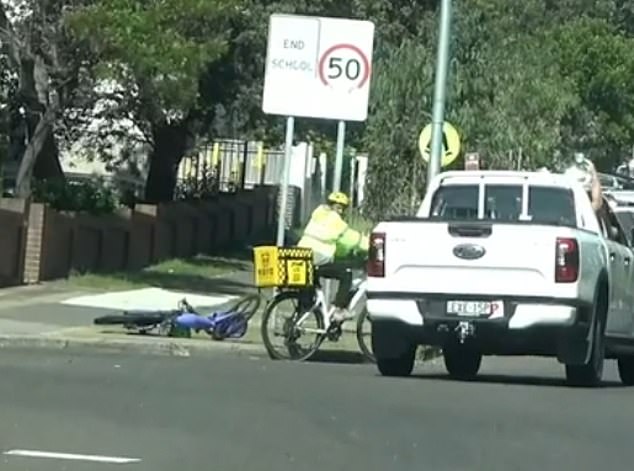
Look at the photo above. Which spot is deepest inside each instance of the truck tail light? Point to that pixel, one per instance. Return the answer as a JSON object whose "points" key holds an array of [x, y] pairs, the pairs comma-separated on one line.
{"points": [[376, 255], [566, 260]]}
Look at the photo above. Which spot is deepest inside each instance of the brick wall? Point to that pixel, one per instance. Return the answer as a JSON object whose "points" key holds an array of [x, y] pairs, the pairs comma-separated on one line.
{"points": [[13, 226], [38, 243]]}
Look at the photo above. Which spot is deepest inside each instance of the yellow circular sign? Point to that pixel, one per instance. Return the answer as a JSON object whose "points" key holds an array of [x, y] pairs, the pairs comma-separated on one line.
{"points": [[450, 144]]}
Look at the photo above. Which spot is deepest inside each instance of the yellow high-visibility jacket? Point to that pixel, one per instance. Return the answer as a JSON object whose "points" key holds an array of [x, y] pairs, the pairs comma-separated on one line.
{"points": [[328, 234]]}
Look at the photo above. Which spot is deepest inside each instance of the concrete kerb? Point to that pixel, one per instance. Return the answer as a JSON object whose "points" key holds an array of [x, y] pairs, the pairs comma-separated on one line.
{"points": [[152, 346]]}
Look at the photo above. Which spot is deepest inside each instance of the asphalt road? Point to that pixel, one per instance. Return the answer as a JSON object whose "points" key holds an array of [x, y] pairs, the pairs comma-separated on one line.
{"points": [[241, 414]]}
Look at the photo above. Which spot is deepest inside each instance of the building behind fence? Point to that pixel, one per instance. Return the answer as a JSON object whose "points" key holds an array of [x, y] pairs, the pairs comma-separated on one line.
{"points": [[244, 164], [231, 165]]}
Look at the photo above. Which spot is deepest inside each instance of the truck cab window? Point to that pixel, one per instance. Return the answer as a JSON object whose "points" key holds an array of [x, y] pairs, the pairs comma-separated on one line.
{"points": [[615, 231], [546, 205], [552, 205], [455, 203]]}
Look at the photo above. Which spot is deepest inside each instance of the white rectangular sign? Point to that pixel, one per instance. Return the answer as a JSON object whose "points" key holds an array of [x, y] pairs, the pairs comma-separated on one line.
{"points": [[318, 67]]}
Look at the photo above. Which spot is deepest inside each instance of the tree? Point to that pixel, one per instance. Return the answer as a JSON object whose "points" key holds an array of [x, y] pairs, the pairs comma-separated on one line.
{"points": [[599, 59], [160, 78], [505, 91], [47, 62], [399, 110]]}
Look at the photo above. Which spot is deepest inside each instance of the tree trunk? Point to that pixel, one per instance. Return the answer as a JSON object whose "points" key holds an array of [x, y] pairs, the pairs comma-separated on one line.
{"points": [[41, 157], [47, 163], [36, 143], [170, 145]]}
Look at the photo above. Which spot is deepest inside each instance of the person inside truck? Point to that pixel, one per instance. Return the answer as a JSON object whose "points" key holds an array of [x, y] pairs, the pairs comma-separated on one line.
{"points": [[583, 170], [333, 241]]}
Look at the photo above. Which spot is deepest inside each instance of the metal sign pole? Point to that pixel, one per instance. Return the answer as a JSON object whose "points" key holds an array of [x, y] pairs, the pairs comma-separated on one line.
{"points": [[341, 135], [351, 192], [288, 151], [440, 88]]}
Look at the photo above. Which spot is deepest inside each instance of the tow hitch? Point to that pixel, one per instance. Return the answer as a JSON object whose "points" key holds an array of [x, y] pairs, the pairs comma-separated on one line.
{"points": [[465, 330]]}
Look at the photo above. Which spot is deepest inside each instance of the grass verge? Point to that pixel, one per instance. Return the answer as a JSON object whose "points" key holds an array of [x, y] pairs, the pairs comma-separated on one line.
{"points": [[197, 274]]}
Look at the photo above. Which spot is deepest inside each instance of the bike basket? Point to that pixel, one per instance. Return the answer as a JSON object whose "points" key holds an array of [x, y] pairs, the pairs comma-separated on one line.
{"points": [[283, 267]]}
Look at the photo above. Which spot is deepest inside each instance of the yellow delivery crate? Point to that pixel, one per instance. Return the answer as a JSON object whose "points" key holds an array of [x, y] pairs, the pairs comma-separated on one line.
{"points": [[283, 267]]}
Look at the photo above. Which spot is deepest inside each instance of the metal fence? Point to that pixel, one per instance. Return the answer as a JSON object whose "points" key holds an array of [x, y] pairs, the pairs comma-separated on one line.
{"points": [[226, 165], [233, 164]]}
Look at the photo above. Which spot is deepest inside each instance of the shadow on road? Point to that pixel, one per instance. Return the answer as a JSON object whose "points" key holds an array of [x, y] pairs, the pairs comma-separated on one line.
{"points": [[338, 356], [520, 380], [234, 258]]}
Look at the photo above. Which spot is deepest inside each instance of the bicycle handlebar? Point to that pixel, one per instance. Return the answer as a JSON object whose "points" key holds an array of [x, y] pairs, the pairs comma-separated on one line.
{"points": [[184, 305]]}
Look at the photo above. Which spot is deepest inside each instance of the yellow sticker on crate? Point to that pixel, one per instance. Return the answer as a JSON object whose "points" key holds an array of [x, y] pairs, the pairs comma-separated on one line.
{"points": [[296, 270], [266, 270]]}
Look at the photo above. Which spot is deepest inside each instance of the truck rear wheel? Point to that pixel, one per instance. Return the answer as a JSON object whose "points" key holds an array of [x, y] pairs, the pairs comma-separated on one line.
{"points": [[402, 365], [590, 374], [626, 370], [462, 361]]}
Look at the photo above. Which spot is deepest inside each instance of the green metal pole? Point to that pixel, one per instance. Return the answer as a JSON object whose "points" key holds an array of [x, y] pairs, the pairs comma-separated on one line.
{"points": [[440, 89]]}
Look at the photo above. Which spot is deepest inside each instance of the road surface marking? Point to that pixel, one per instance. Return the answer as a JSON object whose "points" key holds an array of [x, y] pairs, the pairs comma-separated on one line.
{"points": [[71, 456], [149, 299]]}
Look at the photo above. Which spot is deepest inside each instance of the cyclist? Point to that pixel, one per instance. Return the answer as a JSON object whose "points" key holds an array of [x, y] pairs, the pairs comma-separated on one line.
{"points": [[333, 241], [584, 171]]}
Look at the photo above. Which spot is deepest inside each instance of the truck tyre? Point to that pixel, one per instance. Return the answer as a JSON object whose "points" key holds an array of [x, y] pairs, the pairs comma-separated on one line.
{"points": [[590, 374], [399, 366], [626, 370], [461, 361]]}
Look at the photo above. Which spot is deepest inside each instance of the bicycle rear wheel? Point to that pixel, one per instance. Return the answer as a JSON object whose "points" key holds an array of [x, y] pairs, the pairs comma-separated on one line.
{"points": [[312, 325], [364, 335], [140, 319]]}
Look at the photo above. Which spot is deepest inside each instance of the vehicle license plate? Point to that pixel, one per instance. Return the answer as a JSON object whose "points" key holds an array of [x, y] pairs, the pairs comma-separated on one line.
{"points": [[474, 308]]}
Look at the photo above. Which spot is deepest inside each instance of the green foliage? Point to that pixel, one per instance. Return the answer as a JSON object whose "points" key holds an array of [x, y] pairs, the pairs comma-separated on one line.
{"points": [[599, 59], [360, 222], [399, 110], [193, 188], [160, 46], [543, 77], [87, 196]]}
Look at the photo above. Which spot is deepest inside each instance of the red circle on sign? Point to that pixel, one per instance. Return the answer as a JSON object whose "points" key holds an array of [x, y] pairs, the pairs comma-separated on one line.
{"points": [[352, 47]]}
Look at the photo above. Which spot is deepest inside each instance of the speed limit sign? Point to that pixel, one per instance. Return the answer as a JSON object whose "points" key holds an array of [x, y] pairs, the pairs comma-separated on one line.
{"points": [[344, 64], [318, 67]]}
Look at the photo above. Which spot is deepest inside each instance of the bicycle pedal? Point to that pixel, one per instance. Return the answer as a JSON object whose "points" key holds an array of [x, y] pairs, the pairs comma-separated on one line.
{"points": [[334, 332]]}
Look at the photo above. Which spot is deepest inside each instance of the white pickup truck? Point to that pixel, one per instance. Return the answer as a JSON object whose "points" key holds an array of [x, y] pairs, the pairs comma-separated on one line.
{"points": [[503, 263]]}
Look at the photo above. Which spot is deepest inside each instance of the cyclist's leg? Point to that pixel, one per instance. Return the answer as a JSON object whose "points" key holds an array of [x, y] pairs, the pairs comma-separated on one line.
{"points": [[337, 271], [345, 285], [341, 272]]}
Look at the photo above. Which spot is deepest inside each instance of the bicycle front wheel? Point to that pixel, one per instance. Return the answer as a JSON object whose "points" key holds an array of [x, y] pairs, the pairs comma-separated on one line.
{"points": [[247, 306], [285, 323], [364, 335]]}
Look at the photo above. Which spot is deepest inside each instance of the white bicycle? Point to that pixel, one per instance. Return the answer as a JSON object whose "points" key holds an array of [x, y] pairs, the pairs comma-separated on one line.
{"points": [[302, 312]]}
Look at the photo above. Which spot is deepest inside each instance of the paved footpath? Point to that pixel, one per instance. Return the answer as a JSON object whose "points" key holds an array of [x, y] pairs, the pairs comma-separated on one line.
{"points": [[32, 313], [81, 411], [51, 315]]}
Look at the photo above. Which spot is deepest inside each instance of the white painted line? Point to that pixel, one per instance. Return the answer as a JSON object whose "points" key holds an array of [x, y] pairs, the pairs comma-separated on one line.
{"points": [[71, 456], [150, 299]]}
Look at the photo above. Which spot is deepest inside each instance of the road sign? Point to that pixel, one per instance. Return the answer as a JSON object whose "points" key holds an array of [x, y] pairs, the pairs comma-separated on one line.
{"points": [[450, 143], [318, 67]]}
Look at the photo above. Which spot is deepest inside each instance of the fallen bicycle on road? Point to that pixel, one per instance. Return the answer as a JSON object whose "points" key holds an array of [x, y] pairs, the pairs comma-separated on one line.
{"points": [[230, 323]]}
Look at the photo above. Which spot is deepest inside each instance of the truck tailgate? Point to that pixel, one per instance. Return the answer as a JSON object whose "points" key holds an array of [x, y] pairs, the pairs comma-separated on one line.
{"points": [[470, 258]]}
